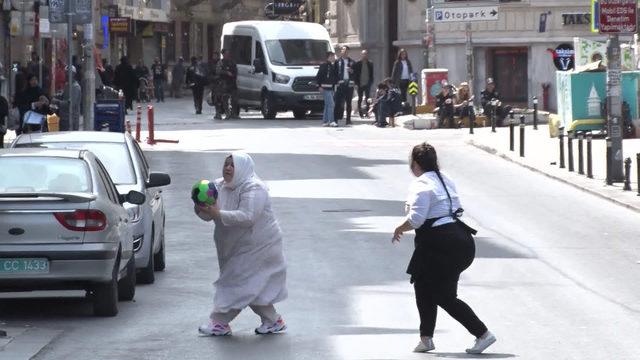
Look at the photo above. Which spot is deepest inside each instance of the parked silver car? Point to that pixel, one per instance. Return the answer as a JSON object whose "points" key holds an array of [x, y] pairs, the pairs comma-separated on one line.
{"points": [[63, 226], [127, 165]]}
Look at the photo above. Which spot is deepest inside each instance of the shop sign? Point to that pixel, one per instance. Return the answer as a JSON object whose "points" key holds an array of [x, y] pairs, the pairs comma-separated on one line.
{"points": [[618, 16], [576, 19], [120, 25], [283, 7], [161, 27], [564, 57]]}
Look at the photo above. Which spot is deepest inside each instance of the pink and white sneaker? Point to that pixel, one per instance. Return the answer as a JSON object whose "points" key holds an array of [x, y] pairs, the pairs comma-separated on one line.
{"points": [[275, 328], [214, 329]]}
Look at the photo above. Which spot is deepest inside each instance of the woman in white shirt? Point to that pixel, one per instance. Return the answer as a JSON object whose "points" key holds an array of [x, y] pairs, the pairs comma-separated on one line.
{"points": [[444, 248], [250, 250]]}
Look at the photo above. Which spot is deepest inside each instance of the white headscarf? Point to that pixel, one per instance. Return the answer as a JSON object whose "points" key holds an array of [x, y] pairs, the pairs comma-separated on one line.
{"points": [[243, 169]]}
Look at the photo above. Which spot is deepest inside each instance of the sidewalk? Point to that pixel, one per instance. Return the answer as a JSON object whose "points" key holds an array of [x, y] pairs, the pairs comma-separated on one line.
{"points": [[542, 155], [23, 343]]}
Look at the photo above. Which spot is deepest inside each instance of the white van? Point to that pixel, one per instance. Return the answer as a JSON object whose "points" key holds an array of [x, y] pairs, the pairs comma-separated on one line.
{"points": [[277, 64]]}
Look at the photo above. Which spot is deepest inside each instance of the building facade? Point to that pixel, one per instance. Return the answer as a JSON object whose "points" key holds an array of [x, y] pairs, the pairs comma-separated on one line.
{"points": [[516, 50]]}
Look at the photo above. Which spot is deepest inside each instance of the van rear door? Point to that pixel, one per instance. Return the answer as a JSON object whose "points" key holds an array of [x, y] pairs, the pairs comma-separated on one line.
{"points": [[240, 42]]}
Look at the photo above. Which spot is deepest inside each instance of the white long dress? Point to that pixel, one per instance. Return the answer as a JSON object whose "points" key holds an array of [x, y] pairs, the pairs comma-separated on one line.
{"points": [[248, 242]]}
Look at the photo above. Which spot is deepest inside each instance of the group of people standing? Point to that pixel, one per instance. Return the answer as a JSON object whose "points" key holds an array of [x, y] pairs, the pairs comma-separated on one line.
{"points": [[337, 79], [220, 75]]}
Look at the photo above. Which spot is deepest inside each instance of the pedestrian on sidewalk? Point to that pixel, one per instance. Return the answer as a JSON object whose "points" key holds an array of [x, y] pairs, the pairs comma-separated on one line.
{"points": [[445, 106], [159, 75], [344, 90], [401, 73], [327, 78], [177, 78], [363, 75], [250, 250], [196, 80], [444, 248], [125, 80], [70, 118]]}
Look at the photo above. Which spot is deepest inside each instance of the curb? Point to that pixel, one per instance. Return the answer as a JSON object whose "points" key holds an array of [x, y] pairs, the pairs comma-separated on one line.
{"points": [[495, 152]]}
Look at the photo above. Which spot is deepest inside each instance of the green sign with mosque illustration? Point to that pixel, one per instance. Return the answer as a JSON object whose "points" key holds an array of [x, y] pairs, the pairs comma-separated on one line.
{"points": [[582, 95]]}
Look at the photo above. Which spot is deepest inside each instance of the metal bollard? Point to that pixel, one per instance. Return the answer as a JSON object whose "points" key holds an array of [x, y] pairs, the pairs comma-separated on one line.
{"points": [[570, 135], [493, 117], [561, 137], [522, 135], [535, 113], [627, 174], [638, 166], [138, 122], [589, 156], [151, 138], [472, 118], [609, 179], [512, 131], [580, 153]]}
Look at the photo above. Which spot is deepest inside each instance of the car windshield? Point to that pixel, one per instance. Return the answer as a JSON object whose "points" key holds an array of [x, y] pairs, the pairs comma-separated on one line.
{"points": [[44, 174], [114, 156], [297, 52]]}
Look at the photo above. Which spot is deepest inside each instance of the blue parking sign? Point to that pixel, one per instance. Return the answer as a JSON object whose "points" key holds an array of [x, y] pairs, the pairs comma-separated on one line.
{"points": [[439, 15]]}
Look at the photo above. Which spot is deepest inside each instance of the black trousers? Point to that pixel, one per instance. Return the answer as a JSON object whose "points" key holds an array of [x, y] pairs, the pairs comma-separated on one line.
{"points": [[344, 94], [404, 86], [198, 94], [430, 295], [363, 94]]}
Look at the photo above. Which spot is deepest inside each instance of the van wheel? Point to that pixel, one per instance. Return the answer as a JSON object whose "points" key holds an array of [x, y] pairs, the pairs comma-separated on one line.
{"points": [[105, 295], [266, 107], [299, 114], [127, 286]]}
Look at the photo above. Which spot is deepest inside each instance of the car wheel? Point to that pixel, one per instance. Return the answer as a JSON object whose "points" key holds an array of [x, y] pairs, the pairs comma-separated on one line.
{"points": [[105, 295], [159, 258], [146, 274], [266, 107], [299, 114], [127, 286]]}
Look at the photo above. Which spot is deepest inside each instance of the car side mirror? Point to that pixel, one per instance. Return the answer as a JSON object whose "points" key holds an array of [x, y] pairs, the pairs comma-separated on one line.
{"points": [[133, 197], [158, 179]]}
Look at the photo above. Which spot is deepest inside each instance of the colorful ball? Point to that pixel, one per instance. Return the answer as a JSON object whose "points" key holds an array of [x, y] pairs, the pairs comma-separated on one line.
{"points": [[204, 192]]}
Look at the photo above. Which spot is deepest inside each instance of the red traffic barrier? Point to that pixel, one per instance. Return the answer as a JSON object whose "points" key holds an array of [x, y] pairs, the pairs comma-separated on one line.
{"points": [[151, 140], [138, 122]]}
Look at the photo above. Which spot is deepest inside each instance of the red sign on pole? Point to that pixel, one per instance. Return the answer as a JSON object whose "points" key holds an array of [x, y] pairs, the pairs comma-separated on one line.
{"points": [[618, 16]]}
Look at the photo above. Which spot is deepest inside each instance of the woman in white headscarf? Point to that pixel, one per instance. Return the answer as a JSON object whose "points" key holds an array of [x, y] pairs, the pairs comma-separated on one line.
{"points": [[250, 250]]}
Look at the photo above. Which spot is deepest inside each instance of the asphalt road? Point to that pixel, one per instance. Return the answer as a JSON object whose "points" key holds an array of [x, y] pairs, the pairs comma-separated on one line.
{"points": [[556, 273]]}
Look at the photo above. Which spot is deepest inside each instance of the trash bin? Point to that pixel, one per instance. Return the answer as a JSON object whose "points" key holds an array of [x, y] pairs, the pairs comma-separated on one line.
{"points": [[109, 115]]}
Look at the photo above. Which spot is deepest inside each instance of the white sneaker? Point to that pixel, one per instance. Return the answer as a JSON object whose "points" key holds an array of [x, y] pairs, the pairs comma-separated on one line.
{"points": [[424, 346], [482, 343], [334, 124], [274, 328], [214, 329]]}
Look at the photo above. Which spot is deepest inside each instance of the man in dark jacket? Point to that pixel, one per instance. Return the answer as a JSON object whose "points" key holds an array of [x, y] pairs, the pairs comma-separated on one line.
{"points": [[444, 105], [490, 100], [363, 74], [159, 74], [125, 80], [196, 80], [344, 91], [327, 78], [227, 71]]}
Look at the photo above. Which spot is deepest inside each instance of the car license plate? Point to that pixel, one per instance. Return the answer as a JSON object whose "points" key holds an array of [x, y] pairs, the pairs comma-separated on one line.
{"points": [[24, 266], [313, 97]]}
